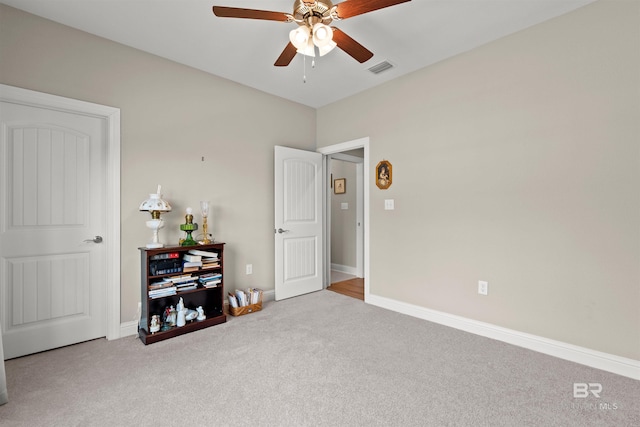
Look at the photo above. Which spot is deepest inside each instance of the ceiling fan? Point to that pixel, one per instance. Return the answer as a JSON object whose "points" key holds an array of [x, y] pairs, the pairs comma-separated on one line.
{"points": [[313, 19]]}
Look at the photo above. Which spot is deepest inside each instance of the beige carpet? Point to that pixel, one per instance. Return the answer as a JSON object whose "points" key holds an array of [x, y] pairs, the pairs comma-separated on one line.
{"points": [[322, 359]]}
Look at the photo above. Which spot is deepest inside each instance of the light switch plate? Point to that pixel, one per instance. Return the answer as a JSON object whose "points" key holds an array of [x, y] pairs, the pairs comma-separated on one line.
{"points": [[344, 206], [389, 204]]}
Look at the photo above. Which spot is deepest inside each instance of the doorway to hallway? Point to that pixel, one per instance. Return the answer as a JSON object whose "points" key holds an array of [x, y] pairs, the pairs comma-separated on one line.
{"points": [[347, 226], [348, 285]]}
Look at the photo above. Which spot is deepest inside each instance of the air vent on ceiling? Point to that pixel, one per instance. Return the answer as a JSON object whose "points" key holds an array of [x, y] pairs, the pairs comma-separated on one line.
{"points": [[383, 66]]}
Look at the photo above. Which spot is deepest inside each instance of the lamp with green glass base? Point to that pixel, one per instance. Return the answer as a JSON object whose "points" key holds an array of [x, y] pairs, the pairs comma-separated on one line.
{"points": [[189, 227]]}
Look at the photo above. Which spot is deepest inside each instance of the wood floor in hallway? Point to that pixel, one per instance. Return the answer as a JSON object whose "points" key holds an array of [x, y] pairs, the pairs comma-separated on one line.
{"points": [[353, 288]]}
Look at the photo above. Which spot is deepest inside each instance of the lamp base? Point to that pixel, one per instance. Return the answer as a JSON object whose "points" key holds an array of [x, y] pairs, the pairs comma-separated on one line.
{"points": [[155, 225]]}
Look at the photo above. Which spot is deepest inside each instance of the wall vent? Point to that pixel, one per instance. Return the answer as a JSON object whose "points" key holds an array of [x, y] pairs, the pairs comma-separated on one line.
{"points": [[383, 66]]}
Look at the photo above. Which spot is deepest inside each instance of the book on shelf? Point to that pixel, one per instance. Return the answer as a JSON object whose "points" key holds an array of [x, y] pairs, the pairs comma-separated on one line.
{"points": [[167, 271], [192, 258], [166, 255], [182, 278], [160, 284], [210, 280], [164, 266], [192, 264], [211, 284], [186, 287], [210, 264], [206, 254], [192, 280], [163, 292]]}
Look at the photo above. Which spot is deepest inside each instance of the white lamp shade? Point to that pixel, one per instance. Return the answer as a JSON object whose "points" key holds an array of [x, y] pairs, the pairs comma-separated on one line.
{"points": [[155, 203], [327, 48], [300, 37], [322, 34], [308, 49]]}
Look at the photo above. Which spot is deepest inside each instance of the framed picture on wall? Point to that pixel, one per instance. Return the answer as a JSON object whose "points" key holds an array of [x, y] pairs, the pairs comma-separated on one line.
{"points": [[383, 175], [340, 186]]}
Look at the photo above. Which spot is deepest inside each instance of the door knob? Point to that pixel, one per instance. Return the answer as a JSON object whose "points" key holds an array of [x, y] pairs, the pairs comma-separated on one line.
{"points": [[97, 239], [280, 230]]}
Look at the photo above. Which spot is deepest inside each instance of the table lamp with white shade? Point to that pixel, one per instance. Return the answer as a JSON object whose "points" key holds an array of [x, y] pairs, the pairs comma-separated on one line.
{"points": [[155, 204]]}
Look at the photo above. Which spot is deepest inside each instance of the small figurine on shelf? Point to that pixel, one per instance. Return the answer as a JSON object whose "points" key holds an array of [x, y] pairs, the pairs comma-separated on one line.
{"points": [[169, 318], [191, 314], [188, 227], [181, 312], [201, 315], [155, 324]]}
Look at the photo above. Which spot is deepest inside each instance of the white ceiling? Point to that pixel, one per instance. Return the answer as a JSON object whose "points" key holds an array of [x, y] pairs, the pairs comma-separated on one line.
{"points": [[411, 36]]}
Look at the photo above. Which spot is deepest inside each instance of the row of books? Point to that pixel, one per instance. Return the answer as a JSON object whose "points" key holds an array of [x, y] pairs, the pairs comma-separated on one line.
{"points": [[194, 260], [210, 280], [186, 282], [244, 298]]}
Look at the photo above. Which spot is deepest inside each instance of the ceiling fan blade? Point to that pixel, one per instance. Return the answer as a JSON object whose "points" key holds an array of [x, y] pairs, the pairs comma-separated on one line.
{"points": [[238, 12], [286, 56], [352, 47], [350, 8]]}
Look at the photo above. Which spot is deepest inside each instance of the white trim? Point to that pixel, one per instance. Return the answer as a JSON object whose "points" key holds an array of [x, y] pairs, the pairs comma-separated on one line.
{"points": [[359, 162], [595, 359], [111, 116], [128, 329], [359, 220], [347, 158], [345, 269], [346, 146]]}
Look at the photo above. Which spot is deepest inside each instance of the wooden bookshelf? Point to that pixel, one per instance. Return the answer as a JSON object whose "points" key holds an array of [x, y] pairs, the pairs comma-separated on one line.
{"points": [[211, 299]]}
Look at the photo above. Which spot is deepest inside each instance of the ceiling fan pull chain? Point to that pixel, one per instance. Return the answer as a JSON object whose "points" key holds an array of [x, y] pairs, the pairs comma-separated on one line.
{"points": [[304, 68]]}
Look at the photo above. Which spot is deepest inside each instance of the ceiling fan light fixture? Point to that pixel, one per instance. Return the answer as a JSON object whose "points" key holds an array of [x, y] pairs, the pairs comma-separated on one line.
{"points": [[300, 37], [313, 17]]}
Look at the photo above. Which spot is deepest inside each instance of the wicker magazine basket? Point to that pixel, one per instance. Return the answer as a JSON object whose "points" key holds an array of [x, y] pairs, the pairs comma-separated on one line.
{"points": [[240, 311]]}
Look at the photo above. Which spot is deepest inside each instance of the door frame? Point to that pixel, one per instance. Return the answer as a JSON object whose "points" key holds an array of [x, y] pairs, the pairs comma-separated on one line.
{"points": [[359, 163], [335, 149], [111, 116]]}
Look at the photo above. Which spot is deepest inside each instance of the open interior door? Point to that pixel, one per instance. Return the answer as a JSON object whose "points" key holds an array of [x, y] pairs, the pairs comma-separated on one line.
{"points": [[298, 222]]}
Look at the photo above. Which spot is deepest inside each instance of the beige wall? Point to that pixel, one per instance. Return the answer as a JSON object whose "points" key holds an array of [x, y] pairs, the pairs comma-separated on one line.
{"points": [[343, 222], [517, 163], [171, 116]]}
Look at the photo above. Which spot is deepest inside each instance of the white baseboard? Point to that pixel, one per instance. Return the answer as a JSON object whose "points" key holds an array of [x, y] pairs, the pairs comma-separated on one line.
{"points": [[128, 328], [269, 295], [345, 269], [595, 359]]}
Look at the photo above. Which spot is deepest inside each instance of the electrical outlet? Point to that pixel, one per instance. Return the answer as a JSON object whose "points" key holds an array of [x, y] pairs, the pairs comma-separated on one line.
{"points": [[249, 268], [483, 287]]}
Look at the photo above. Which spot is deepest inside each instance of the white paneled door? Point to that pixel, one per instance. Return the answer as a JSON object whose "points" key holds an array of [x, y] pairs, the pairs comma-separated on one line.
{"points": [[52, 219], [298, 222]]}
